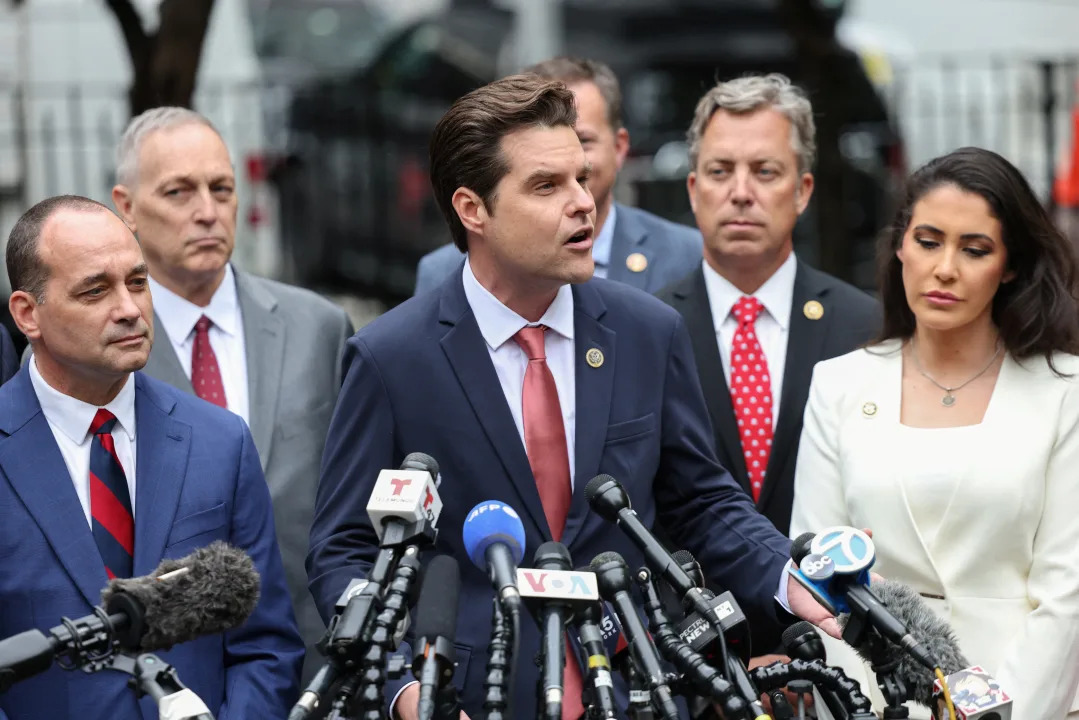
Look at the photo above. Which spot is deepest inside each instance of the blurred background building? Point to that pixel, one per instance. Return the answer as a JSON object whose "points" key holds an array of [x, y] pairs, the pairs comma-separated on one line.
{"points": [[327, 106]]}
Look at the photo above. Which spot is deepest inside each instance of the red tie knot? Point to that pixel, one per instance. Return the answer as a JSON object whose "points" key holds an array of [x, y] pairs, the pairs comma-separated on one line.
{"points": [[747, 309], [202, 325], [103, 422], [531, 341]]}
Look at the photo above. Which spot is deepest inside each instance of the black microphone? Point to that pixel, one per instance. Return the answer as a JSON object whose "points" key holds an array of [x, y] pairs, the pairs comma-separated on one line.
{"points": [[839, 579], [552, 617], [586, 621], [212, 590], [612, 576], [927, 628], [802, 642], [434, 656]]}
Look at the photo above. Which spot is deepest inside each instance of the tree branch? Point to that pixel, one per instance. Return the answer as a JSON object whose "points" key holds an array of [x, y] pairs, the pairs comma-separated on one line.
{"points": [[131, 26]]}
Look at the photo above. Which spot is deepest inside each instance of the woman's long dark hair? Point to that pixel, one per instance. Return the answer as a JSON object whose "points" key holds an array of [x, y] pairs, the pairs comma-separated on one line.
{"points": [[1037, 313]]}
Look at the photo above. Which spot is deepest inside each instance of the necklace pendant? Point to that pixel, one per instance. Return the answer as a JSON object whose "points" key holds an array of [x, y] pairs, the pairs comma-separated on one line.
{"points": [[948, 400]]}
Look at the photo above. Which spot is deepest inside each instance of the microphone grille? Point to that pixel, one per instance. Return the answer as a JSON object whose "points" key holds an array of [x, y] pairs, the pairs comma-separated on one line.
{"points": [[436, 609], [683, 557], [606, 557], [594, 484], [420, 461], [551, 554], [796, 631], [801, 546]]}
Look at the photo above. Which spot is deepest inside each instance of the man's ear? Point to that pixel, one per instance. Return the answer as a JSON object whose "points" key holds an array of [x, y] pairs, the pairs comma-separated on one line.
{"points": [[805, 191], [124, 202], [470, 210], [23, 309], [621, 147], [691, 188]]}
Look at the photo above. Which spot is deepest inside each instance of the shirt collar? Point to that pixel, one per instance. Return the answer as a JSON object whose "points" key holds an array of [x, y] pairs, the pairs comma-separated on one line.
{"points": [[776, 294], [73, 416], [498, 323], [179, 315], [601, 247]]}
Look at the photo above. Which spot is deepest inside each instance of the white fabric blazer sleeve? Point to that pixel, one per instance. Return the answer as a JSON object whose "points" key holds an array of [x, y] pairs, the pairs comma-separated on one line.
{"points": [[818, 488], [1044, 658]]}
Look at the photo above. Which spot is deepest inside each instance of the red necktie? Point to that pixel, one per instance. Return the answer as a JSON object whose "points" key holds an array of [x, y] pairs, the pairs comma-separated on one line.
{"points": [[205, 373], [751, 393], [548, 455], [110, 500]]}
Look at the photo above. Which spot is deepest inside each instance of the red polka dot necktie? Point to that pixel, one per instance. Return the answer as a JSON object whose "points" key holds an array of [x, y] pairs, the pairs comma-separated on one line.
{"points": [[205, 373], [751, 392], [113, 524], [548, 455]]}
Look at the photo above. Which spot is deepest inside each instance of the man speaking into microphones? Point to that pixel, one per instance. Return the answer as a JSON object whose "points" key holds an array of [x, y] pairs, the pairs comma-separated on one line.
{"points": [[526, 377]]}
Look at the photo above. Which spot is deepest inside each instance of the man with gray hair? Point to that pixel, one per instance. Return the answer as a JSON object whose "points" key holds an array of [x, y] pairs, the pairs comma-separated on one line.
{"points": [[267, 351]]}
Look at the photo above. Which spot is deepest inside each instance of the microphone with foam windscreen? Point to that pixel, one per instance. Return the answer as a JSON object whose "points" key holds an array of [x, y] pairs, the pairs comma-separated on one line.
{"points": [[434, 656], [494, 539], [214, 589], [928, 629]]}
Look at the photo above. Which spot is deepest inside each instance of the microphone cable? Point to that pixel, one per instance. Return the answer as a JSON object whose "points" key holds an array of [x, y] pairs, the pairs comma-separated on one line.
{"points": [[498, 664]]}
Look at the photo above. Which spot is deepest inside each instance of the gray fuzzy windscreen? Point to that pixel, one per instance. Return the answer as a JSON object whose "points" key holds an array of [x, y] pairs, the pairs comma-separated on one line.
{"points": [[927, 628], [217, 593]]}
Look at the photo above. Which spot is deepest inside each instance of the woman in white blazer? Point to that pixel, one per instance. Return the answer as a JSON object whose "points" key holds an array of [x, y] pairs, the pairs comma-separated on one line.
{"points": [[955, 437]]}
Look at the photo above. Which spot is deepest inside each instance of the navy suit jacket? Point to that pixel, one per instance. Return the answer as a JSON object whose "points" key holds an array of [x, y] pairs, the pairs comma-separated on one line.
{"points": [[671, 250], [198, 480], [9, 359], [420, 379]]}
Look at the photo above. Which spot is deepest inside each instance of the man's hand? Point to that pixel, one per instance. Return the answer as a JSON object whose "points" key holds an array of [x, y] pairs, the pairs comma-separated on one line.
{"points": [[806, 607], [405, 707]]}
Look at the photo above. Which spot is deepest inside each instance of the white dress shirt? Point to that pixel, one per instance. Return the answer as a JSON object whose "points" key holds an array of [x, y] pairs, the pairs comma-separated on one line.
{"points": [[70, 419], [773, 324], [601, 246], [179, 315], [498, 324]]}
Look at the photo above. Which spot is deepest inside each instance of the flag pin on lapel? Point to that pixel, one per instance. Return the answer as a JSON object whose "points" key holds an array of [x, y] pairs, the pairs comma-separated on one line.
{"points": [[594, 357]]}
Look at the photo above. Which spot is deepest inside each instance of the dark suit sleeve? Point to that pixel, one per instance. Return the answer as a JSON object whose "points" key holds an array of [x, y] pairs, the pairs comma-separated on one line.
{"points": [[263, 657], [701, 505], [9, 360]]}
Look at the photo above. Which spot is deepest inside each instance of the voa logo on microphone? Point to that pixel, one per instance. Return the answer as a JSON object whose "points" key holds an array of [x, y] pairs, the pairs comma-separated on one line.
{"points": [[560, 584]]}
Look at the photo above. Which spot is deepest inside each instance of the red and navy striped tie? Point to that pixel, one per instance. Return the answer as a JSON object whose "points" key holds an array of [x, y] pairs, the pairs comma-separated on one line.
{"points": [[110, 501]]}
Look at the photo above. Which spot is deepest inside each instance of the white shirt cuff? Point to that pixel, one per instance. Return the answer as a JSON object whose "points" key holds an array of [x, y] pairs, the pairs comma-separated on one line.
{"points": [[784, 578], [394, 701]]}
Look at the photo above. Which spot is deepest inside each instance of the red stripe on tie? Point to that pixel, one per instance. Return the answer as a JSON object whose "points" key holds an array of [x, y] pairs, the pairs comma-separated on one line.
{"points": [[109, 444], [110, 573], [112, 515]]}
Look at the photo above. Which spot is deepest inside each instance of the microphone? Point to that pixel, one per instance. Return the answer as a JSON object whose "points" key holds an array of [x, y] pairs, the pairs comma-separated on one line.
{"points": [[551, 589], [802, 642], [214, 589], [494, 539], [836, 572], [588, 622], [928, 629], [975, 696], [404, 505], [434, 657], [612, 576]]}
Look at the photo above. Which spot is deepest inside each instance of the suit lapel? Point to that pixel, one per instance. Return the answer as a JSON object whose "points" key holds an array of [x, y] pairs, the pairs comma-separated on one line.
{"points": [[691, 299], [32, 462], [595, 385], [629, 237], [264, 340], [163, 363], [805, 344], [467, 353], [163, 446]]}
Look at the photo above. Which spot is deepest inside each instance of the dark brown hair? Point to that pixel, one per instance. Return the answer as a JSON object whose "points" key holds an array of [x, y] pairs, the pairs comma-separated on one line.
{"points": [[25, 269], [572, 70], [1037, 312], [466, 146]]}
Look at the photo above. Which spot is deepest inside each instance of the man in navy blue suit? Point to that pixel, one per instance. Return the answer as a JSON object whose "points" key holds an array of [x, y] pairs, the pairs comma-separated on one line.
{"points": [[105, 472], [630, 245], [524, 377], [9, 359]]}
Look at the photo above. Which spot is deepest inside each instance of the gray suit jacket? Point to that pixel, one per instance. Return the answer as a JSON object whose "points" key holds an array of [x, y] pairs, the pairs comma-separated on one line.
{"points": [[294, 342], [670, 251]]}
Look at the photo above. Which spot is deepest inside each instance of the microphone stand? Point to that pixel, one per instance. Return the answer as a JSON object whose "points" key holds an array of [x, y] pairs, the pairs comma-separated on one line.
{"points": [[692, 664], [496, 702], [778, 675]]}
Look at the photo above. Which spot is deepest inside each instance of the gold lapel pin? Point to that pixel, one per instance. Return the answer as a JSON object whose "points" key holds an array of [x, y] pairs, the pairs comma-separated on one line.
{"points": [[636, 262], [594, 357], [813, 310], [869, 409]]}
